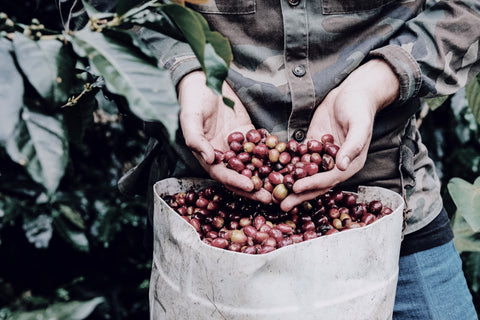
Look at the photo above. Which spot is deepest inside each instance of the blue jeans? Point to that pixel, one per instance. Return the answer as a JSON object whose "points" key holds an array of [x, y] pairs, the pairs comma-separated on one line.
{"points": [[432, 286]]}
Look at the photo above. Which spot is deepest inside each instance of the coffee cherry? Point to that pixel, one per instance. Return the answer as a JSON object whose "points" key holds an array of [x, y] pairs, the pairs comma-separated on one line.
{"points": [[235, 136], [302, 149], [236, 146], [219, 243], [235, 164], [275, 177], [284, 158], [229, 154], [245, 157], [292, 146], [247, 173], [311, 168], [271, 141], [375, 207], [327, 138], [261, 151], [265, 170], [219, 156], [288, 181], [331, 149], [314, 146], [248, 147], [350, 200], [257, 182], [316, 158], [368, 218], [281, 147], [273, 155], [327, 162], [267, 185], [280, 192], [238, 236], [299, 173], [253, 136]]}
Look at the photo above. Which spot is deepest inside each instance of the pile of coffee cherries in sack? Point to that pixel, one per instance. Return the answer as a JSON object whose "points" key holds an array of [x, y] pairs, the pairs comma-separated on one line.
{"points": [[226, 220]]}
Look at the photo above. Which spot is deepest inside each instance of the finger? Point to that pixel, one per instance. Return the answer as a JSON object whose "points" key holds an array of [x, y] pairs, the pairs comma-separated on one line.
{"points": [[356, 141], [295, 199], [230, 178], [192, 128], [261, 195], [320, 181]]}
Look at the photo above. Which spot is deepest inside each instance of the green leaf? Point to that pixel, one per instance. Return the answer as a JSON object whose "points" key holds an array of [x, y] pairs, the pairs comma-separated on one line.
{"points": [[148, 90], [74, 310], [11, 92], [124, 6], [467, 199], [434, 103], [93, 13], [473, 96], [73, 216], [39, 144], [129, 37], [69, 230], [472, 270], [48, 65], [212, 50], [466, 240]]}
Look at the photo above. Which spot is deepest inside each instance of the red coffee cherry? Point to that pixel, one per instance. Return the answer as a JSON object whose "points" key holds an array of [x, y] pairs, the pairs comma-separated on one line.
{"points": [[235, 136]]}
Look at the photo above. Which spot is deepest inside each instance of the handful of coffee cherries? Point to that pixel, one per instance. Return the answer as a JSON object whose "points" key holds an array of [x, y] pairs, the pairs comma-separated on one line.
{"points": [[276, 165]]}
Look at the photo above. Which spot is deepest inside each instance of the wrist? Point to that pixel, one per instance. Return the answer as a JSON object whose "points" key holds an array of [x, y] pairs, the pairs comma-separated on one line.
{"points": [[378, 81], [388, 85]]}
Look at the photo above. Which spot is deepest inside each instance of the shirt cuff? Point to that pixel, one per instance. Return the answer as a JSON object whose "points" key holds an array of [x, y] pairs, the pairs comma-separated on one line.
{"points": [[404, 66], [181, 66]]}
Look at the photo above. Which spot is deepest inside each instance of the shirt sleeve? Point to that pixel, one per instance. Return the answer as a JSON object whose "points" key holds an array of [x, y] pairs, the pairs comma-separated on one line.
{"points": [[175, 56], [437, 52]]}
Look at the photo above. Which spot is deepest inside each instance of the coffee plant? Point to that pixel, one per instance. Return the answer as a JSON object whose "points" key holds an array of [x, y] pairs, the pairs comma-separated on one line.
{"points": [[76, 85]]}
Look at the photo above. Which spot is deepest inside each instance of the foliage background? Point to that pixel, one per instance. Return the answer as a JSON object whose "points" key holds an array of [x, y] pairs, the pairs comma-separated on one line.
{"points": [[82, 255]]}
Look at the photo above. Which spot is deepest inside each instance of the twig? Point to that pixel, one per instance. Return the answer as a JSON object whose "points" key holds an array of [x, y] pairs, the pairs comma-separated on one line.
{"points": [[423, 114]]}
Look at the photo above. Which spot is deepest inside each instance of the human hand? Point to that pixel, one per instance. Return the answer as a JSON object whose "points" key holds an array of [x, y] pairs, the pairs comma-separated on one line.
{"points": [[206, 122], [348, 113]]}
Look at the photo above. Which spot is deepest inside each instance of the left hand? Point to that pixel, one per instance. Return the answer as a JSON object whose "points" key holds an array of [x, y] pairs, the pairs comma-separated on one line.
{"points": [[348, 113]]}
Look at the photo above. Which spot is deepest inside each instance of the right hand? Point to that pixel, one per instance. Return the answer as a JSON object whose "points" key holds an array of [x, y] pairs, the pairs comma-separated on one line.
{"points": [[206, 123]]}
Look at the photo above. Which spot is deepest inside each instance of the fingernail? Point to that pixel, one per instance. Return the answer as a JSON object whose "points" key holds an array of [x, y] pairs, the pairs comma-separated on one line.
{"points": [[346, 162], [204, 156]]}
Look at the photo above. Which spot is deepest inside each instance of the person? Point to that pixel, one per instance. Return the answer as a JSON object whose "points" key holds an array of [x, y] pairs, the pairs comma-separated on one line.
{"points": [[357, 70]]}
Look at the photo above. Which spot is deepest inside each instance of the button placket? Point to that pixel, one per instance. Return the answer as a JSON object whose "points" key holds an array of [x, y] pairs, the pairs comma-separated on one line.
{"points": [[300, 83]]}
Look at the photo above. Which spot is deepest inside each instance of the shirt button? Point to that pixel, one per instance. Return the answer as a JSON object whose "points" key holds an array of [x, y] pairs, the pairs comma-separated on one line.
{"points": [[293, 3], [299, 70], [299, 135]]}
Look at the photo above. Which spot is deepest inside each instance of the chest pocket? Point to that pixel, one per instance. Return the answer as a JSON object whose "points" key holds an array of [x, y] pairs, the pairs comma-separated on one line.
{"points": [[226, 7], [352, 6]]}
